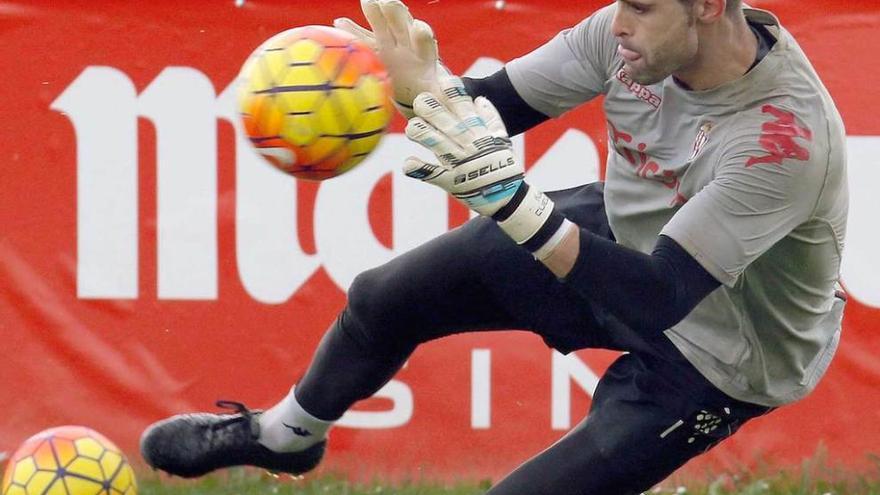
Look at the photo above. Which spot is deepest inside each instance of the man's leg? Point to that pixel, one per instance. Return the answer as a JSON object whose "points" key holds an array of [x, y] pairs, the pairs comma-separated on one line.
{"points": [[649, 416], [472, 278], [435, 290]]}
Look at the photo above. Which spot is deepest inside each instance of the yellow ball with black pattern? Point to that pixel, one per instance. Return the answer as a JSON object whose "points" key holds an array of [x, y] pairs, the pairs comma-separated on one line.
{"points": [[68, 460], [314, 101]]}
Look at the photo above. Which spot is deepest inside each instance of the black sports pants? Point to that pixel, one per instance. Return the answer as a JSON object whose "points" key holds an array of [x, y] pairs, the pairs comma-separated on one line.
{"points": [[651, 412]]}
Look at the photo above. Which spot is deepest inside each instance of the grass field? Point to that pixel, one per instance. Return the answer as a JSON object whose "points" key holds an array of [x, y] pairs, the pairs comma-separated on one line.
{"points": [[250, 482]]}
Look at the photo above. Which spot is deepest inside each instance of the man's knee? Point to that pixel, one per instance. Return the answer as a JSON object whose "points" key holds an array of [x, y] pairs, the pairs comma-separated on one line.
{"points": [[409, 298], [387, 306], [366, 316]]}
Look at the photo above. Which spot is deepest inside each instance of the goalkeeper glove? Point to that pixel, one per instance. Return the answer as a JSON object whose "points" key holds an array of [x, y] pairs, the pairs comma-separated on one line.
{"points": [[477, 166], [407, 48]]}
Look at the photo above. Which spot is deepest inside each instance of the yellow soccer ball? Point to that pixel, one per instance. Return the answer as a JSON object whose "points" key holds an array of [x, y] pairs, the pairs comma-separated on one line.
{"points": [[68, 460], [314, 101]]}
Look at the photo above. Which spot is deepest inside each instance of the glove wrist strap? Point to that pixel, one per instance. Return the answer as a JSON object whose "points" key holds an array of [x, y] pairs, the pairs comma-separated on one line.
{"points": [[531, 220]]}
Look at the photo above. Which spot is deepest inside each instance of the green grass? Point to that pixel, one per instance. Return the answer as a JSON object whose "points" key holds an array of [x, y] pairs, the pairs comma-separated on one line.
{"points": [[251, 482]]}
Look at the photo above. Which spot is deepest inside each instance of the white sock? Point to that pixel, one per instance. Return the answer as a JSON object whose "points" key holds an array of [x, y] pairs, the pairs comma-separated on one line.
{"points": [[287, 427]]}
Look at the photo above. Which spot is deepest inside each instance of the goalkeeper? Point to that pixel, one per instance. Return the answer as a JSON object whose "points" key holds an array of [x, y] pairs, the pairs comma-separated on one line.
{"points": [[710, 254]]}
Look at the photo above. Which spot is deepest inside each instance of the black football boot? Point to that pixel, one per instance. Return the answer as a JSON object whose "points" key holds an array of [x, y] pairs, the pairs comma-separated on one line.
{"points": [[191, 445]]}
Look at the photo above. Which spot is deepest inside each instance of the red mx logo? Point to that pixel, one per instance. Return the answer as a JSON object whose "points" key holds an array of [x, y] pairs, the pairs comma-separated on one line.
{"points": [[778, 138]]}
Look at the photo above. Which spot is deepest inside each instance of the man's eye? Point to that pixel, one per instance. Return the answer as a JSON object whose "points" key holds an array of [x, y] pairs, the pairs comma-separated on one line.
{"points": [[638, 8], [635, 7]]}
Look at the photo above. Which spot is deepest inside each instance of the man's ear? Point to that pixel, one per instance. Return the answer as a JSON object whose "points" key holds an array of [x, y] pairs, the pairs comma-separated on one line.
{"points": [[709, 10]]}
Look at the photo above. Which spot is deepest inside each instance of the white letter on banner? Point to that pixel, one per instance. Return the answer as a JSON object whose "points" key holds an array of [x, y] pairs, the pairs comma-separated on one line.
{"points": [[566, 368], [102, 105], [181, 104], [860, 271], [399, 393], [573, 160], [343, 235], [271, 263], [481, 389]]}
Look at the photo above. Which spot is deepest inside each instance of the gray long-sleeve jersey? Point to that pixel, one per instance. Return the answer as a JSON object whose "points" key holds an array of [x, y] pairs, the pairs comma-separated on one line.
{"points": [[748, 177]]}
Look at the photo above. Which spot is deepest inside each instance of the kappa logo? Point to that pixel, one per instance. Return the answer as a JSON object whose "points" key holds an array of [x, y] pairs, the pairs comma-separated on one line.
{"points": [[778, 138], [637, 89], [300, 432]]}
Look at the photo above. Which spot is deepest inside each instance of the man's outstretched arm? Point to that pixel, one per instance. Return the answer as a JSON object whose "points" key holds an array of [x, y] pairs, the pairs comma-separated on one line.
{"points": [[650, 292], [477, 167]]}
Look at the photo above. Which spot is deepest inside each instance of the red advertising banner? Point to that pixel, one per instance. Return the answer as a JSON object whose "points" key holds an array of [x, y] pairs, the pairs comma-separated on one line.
{"points": [[151, 263]]}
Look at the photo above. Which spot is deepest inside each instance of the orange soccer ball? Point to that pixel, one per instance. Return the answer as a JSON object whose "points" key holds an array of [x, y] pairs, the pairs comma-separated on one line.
{"points": [[314, 101], [68, 460]]}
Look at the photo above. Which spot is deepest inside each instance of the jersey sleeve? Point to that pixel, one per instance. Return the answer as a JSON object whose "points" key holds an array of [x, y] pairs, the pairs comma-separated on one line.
{"points": [[767, 182], [570, 69]]}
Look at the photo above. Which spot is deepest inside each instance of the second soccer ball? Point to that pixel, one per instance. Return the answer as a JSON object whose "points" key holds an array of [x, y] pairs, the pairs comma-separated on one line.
{"points": [[68, 460]]}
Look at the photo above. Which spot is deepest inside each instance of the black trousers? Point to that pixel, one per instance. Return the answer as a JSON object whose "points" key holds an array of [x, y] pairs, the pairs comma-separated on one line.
{"points": [[652, 410]]}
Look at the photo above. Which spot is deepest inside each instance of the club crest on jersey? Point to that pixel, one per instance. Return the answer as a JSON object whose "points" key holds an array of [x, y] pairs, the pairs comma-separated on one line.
{"points": [[702, 139], [642, 92]]}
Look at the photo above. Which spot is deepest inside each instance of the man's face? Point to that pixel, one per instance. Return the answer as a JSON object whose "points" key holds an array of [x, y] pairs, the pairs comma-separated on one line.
{"points": [[657, 38]]}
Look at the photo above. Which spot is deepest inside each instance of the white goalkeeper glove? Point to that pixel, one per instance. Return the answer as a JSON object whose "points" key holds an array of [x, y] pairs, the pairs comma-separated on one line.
{"points": [[477, 166], [406, 46]]}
